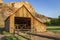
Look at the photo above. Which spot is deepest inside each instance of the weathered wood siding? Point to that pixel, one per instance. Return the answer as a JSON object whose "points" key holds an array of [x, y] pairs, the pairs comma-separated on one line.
{"points": [[35, 24], [23, 12], [12, 24], [39, 27]]}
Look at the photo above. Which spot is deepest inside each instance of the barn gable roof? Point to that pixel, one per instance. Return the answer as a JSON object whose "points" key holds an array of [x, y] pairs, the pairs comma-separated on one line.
{"points": [[28, 11]]}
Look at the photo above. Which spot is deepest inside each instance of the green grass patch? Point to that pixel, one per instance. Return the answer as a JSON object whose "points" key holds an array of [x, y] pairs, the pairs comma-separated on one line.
{"points": [[6, 33], [11, 38], [53, 26], [55, 29], [20, 38]]}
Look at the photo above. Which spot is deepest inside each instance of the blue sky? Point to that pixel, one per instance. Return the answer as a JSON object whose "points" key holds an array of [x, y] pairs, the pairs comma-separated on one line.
{"points": [[50, 8]]}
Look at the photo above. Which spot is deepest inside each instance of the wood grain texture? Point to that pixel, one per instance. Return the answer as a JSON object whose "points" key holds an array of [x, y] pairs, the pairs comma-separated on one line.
{"points": [[36, 26]]}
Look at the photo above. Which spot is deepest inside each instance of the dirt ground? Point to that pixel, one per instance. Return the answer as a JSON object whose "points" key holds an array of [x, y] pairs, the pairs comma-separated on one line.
{"points": [[42, 36], [47, 36]]}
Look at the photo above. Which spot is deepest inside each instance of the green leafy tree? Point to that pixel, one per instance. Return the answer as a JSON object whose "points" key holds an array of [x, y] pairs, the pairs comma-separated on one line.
{"points": [[59, 20], [54, 21]]}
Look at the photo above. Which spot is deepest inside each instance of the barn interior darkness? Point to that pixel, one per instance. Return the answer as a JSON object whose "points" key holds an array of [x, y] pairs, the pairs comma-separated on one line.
{"points": [[22, 23]]}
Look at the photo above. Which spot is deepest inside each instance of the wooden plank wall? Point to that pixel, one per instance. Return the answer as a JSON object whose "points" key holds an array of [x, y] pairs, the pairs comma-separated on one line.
{"points": [[23, 12]]}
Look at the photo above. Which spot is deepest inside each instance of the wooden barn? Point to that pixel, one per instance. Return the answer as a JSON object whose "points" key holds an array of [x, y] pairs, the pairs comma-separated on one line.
{"points": [[24, 20]]}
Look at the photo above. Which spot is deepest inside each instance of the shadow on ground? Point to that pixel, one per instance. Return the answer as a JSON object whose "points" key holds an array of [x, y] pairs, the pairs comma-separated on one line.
{"points": [[44, 36]]}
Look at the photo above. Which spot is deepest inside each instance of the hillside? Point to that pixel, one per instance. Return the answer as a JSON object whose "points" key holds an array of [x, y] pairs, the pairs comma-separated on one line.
{"points": [[6, 9]]}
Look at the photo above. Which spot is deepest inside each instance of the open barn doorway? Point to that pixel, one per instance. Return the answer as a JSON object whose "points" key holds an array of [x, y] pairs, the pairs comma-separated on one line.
{"points": [[22, 24]]}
